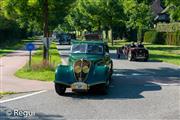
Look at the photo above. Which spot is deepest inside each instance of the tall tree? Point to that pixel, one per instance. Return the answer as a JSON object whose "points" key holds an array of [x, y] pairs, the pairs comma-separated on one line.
{"points": [[139, 15], [32, 13], [97, 15]]}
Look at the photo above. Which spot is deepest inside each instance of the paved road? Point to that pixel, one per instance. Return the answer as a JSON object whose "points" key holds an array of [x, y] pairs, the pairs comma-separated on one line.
{"points": [[139, 90]]}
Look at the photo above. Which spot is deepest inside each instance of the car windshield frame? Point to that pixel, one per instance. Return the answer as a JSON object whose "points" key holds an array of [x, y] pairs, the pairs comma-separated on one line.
{"points": [[84, 49]]}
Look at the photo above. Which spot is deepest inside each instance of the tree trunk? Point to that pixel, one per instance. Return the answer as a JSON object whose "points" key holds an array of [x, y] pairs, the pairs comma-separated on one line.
{"points": [[110, 35], [46, 32]]}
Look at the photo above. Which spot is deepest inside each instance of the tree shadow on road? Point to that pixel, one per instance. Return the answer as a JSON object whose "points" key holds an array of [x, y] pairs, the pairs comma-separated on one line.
{"points": [[130, 84], [118, 91]]}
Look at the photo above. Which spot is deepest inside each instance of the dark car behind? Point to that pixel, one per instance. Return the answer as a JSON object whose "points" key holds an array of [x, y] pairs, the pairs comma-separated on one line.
{"points": [[135, 52]]}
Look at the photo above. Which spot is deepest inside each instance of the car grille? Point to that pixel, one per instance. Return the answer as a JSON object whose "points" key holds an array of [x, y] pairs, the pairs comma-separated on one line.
{"points": [[141, 51], [81, 69]]}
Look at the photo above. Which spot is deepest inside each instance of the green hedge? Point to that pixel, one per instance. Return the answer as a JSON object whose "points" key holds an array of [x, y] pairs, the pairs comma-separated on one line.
{"points": [[150, 37], [170, 38], [173, 38]]}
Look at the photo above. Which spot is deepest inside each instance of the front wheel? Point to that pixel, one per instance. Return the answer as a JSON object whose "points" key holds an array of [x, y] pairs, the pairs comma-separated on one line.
{"points": [[130, 56], [146, 59], [118, 56], [103, 88], [60, 89], [111, 71]]}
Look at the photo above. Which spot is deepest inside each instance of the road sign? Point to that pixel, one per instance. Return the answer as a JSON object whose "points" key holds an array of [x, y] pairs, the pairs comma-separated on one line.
{"points": [[30, 46]]}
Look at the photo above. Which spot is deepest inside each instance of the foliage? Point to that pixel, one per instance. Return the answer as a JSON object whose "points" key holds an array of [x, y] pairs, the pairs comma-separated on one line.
{"points": [[29, 13], [99, 15], [174, 9], [139, 14]]}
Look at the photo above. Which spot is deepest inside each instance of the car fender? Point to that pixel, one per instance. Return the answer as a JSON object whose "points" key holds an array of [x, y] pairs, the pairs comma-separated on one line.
{"points": [[64, 75], [100, 75]]}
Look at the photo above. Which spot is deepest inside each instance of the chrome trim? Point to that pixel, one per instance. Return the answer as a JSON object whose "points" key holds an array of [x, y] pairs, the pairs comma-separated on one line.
{"points": [[101, 82], [81, 71], [62, 83]]}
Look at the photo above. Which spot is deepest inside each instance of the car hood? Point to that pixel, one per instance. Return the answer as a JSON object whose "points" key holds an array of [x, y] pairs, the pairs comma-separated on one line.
{"points": [[90, 57]]}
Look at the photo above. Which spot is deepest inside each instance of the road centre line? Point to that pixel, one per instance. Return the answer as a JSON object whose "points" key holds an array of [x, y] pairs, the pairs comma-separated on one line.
{"points": [[24, 96]]}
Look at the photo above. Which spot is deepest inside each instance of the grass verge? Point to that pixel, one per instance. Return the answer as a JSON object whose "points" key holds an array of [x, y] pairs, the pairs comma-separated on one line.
{"points": [[41, 70], [165, 53], [5, 93]]}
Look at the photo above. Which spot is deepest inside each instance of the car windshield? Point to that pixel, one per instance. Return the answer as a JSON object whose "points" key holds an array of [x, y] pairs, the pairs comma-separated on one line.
{"points": [[87, 48]]}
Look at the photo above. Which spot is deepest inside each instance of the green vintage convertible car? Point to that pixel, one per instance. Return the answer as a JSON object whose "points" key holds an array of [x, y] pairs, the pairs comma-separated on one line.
{"points": [[89, 66]]}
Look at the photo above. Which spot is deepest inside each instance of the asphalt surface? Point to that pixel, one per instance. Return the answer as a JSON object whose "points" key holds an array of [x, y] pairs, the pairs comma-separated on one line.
{"points": [[139, 90]]}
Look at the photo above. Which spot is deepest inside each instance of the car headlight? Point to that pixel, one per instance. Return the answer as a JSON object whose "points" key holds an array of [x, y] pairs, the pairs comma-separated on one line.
{"points": [[81, 69], [85, 69], [77, 69]]}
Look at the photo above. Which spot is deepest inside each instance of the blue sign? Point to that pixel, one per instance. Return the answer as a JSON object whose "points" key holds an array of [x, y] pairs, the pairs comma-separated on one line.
{"points": [[30, 47]]}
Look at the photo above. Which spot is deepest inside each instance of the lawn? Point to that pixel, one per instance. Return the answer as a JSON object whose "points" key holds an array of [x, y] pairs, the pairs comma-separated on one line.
{"points": [[11, 47], [164, 53], [40, 70]]}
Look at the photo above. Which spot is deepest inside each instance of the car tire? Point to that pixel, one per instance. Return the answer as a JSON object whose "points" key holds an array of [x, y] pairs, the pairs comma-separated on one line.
{"points": [[130, 56], [146, 59], [60, 89], [103, 88], [118, 56], [111, 71]]}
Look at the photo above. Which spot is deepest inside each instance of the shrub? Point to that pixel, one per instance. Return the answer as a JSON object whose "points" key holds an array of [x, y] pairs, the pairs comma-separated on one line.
{"points": [[170, 38], [173, 38], [161, 38], [178, 38], [42, 66], [150, 36]]}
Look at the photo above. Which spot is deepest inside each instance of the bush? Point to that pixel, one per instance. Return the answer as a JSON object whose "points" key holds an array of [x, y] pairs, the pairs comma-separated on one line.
{"points": [[178, 38], [173, 38], [161, 38], [154, 37], [151, 37]]}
